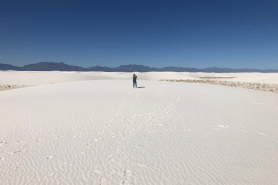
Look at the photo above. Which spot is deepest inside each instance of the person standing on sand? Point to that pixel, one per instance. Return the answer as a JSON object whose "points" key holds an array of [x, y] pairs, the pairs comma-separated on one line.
{"points": [[134, 80]]}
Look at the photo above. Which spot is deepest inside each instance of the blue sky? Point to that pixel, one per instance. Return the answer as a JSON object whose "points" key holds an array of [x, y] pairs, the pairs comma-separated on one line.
{"points": [[197, 33]]}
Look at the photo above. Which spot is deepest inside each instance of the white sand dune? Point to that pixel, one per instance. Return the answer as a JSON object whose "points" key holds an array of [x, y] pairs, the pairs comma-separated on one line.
{"points": [[105, 132], [40, 78], [28, 78], [267, 78]]}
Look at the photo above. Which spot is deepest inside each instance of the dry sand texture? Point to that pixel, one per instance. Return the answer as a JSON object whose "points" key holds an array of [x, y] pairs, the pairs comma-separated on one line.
{"points": [[104, 132], [256, 86]]}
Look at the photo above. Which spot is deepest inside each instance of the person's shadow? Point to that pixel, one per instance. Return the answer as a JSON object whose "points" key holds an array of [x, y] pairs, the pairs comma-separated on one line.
{"points": [[141, 87]]}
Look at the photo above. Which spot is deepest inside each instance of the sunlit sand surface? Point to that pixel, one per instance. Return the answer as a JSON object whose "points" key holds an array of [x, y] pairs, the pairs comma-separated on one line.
{"points": [[94, 128]]}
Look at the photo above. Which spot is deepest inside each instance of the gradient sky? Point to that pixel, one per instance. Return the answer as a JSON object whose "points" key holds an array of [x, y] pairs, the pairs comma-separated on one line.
{"points": [[197, 33]]}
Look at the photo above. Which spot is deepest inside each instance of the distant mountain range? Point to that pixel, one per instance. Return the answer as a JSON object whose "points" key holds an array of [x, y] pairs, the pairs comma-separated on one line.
{"points": [[52, 66]]}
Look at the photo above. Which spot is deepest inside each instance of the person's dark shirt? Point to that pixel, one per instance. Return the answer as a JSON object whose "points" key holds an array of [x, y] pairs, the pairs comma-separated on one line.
{"points": [[134, 78]]}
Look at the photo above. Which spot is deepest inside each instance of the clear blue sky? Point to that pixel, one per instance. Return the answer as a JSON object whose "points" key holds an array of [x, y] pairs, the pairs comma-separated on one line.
{"points": [[196, 33]]}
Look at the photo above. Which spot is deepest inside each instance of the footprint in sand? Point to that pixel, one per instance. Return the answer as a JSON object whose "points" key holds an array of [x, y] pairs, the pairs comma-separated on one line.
{"points": [[87, 146], [222, 126], [259, 103], [19, 142], [2, 143], [244, 131], [109, 159], [97, 139]]}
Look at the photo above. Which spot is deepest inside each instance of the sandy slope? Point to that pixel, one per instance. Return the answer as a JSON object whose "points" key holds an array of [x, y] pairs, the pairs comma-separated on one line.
{"points": [[106, 132]]}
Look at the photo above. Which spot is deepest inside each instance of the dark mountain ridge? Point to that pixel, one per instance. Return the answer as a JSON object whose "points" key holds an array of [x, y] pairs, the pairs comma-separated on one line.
{"points": [[5, 67], [52, 66]]}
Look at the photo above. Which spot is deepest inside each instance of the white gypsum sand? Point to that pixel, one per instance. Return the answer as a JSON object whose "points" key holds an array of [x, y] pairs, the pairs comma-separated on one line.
{"points": [[106, 132], [31, 78], [256, 86]]}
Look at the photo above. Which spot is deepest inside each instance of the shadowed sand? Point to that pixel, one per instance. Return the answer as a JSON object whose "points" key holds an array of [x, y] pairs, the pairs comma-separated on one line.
{"points": [[8, 87]]}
